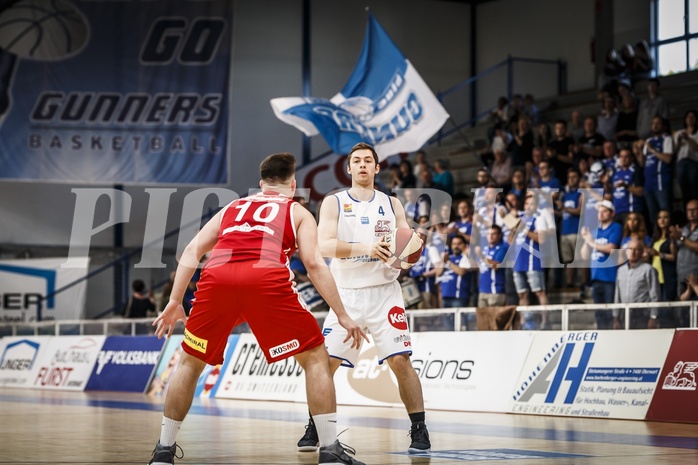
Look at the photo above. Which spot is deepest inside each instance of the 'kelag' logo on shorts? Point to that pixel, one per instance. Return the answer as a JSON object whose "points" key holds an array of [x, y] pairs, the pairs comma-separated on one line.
{"points": [[397, 318]]}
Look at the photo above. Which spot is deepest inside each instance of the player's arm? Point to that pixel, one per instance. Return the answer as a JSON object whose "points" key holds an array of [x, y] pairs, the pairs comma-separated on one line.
{"points": [[332, 247], [200, 245], [319, 273], [400, 216]]}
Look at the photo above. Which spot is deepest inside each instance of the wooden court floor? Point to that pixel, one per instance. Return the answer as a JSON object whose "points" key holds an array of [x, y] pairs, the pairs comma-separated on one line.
{"points": [[41, 427]]}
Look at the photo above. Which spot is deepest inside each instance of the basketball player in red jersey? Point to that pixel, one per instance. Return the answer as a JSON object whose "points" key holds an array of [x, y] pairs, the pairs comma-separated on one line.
{"points": [[247, 279], [353, 224]]}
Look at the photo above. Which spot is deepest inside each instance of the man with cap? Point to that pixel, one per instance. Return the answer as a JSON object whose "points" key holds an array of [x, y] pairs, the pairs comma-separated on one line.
{"points": [[598, 246]]}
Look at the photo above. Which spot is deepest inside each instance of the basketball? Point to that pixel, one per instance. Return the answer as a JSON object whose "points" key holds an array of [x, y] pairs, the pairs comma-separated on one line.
{"points": [[42, 30], [405, 247]]}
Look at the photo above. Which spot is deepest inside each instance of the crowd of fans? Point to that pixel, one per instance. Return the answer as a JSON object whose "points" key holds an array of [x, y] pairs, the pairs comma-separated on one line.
{"points": [[606, 204]]}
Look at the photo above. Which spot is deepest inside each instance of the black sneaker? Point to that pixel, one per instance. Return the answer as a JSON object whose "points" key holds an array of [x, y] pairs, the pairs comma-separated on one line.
{"points": [[420, 439], [337, 454], [165, 455], [309, 442]]}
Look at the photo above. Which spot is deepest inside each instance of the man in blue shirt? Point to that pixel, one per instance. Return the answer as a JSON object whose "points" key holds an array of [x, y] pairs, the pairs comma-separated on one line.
{"points": [[492, 292], [528, 268], [424, 272], [627, 187], [656, 159], [599, 247], [455, 277], [570, 206]]}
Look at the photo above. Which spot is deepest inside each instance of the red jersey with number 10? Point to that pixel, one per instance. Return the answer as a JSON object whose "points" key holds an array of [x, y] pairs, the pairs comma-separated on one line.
{"points": [[258, 228]]}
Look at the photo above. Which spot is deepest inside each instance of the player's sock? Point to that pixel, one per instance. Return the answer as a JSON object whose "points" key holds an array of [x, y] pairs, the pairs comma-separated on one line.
{"points": [[417, 417], [326, 426], [168, 433]]}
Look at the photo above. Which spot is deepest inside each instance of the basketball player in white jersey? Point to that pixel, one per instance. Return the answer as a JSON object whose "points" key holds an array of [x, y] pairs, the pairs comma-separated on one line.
{"points": [[351, 229]]}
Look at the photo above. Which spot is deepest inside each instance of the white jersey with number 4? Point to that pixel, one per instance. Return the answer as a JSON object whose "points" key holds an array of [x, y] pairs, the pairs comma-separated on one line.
{"points": [[363, 222]]}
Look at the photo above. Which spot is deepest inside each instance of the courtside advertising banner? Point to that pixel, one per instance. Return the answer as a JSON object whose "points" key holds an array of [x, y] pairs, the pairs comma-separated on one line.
{"points": [[101, 91], [478, 376], [125, 363], [607, 374], [29, 284], [68, 362], [385, 102], [676, 397], [20, 359], [249, 376]]}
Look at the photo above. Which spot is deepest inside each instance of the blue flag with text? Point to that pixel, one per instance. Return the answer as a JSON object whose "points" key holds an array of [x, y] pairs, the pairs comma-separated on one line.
{"points": [[385, 103]]}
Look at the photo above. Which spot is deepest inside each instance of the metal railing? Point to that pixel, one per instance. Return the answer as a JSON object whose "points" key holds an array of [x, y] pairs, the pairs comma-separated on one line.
{"points": [[136, 326]]}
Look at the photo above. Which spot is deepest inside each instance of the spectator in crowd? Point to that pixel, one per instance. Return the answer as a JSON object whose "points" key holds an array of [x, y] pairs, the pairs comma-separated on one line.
{"points": [[559, 151], [608, 118], [407, 178], [443, 176], [424, 272], [598, 247], [498, 116], [571, 207], [627, 184], [687, 244], [637, 282], [686, 144], [166, 291], [501, 141], [492, 279], [610, 159], [530, 109], [427, 178], [691, 292], [591, 143], [549, 185], [575, 127], [516, 111], [518, 182], [501, 169], [493, 212], [420, 164], [531, 167], [656, 158], [635, 228], [141, 303], [528, 267], [454, 278], [463, 223], [542, 137], [651, 106], [395, 179], [663, 253], [410, 204], [626, 125], [522, 146], [483, 179]]}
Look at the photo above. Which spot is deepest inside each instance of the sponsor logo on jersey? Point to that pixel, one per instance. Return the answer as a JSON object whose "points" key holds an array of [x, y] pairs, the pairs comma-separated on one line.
{"points": [[194, 342], [284, 348], [364, 220], [247, 228], [397, 318], [347, 208], [382, 227]]}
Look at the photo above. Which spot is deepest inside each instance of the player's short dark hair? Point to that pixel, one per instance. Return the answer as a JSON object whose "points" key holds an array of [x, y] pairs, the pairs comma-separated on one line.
{"points": [[497, 228], [277, 168], [362, 146]]}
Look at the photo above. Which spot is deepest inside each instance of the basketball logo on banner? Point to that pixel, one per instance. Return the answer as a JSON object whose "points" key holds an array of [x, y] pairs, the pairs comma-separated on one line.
{"points": [[37, 30]]}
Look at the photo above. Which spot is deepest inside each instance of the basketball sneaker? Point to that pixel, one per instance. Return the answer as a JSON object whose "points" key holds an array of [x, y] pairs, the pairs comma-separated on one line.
{"points": [[309, 442], [165, 455], [420, 439], [337, 453]]}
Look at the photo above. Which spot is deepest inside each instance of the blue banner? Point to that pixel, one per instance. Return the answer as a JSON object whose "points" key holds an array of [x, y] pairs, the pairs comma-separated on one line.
{"points": [[125, 363], [385, 102], [96, 91]]}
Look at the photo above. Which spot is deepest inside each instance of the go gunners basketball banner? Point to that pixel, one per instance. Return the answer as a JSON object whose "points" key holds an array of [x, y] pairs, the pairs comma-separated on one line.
{"points": [[385, 103], [115, 92]]}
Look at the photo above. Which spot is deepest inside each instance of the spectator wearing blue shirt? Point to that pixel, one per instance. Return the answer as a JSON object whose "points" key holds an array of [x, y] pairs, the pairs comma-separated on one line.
{"points": [[463, 223], [443, 177], [492, 282], [598, 246], [570, 206], [528, 267], [454, 277], [656, 160], [424, 272], [628, 187], [547, 183]]}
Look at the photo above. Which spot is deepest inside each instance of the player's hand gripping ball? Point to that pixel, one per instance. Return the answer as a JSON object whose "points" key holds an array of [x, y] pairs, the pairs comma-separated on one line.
{"points": [[405, 247]]}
